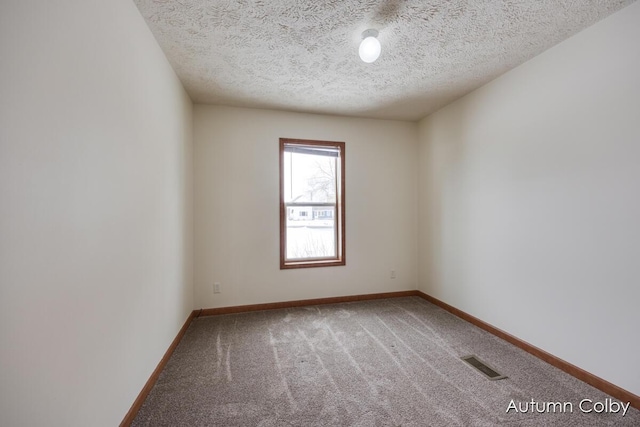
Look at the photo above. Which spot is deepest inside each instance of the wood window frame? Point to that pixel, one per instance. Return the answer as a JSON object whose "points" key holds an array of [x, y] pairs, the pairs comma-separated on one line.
{"points": [[339, 259]]}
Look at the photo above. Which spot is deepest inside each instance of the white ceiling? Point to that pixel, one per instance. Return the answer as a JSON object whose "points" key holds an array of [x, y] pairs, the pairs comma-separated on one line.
{"points": [[302, 55]]}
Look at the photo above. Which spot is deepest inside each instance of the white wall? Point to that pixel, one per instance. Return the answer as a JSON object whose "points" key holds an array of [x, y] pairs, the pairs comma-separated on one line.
{"points": [[237, 206], [529, 201], [95, 210]]}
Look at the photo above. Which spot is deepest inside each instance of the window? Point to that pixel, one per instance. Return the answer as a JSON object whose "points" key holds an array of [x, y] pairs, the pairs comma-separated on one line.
{"points": [[311, 203]]}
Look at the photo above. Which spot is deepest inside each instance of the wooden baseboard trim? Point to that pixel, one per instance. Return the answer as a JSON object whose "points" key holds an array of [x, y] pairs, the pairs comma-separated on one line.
{"points": [[137, 404], [579, 373], [303, 303]]}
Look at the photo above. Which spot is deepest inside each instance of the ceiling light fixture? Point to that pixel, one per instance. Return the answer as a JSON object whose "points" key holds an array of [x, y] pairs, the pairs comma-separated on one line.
{"points": [[370, 46]]}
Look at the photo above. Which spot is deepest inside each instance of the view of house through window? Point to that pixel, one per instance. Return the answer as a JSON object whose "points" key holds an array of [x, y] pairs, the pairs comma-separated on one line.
{"points": [[311, 203]]}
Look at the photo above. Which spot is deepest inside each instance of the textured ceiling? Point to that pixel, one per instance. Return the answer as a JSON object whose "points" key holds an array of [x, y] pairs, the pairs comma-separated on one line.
{"points": [[302, 55]]}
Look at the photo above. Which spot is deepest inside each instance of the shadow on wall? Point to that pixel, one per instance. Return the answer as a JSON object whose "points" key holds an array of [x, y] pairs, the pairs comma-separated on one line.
{"points": [[444, 211]]}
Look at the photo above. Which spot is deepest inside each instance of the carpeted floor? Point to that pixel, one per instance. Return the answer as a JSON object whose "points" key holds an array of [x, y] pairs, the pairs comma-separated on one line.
{"points": [[393, 362]]}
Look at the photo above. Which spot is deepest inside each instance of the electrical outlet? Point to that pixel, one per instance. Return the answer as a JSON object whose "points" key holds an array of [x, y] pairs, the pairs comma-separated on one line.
{"points": [[216, 288], [393, 274]]}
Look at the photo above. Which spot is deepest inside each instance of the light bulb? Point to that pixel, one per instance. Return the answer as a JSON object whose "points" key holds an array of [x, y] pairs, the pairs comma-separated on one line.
{"points": [[369, 49]]}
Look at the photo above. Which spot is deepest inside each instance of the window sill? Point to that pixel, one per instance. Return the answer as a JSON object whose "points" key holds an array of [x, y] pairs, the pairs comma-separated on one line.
{"points": [[308, 264]]}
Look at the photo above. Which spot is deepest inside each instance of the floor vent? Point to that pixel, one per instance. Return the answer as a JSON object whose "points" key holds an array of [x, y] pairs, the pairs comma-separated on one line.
{"points": [[488, 371]]}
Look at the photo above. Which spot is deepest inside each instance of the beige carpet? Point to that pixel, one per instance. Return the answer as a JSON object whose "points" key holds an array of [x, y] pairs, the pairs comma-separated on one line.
{"points": [[393, 362]]}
